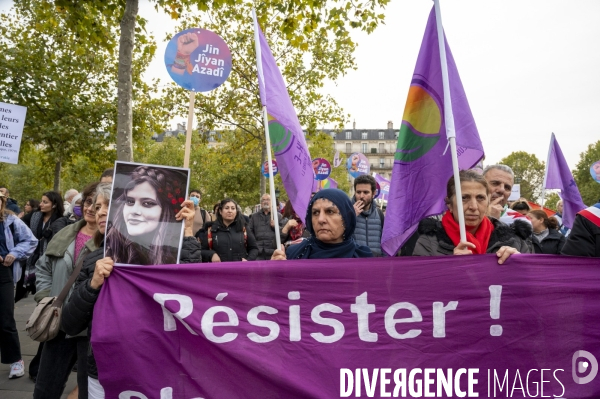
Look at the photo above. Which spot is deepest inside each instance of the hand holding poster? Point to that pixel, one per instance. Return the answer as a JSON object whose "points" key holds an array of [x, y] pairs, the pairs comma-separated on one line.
{"points": [[12, 120], [142, 229]]}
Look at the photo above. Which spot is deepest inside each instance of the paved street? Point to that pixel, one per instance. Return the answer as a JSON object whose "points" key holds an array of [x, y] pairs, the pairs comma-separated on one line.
{"points": [[22, 388]]}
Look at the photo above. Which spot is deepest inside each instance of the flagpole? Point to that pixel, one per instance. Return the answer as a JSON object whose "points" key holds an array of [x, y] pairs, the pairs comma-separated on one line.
{"points": [[267, 136], [546, 169], [188, 135], [449, 120]]}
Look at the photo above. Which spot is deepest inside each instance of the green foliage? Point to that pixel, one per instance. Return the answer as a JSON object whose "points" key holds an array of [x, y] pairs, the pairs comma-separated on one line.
{"points": [[32, 176], [67, 81], [529, 172], [588, 187], [551, 201], [232, 168]]}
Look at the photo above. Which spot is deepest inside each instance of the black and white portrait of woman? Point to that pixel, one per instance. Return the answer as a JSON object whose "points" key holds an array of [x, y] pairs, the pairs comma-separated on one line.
{"points": [[142, 229]]}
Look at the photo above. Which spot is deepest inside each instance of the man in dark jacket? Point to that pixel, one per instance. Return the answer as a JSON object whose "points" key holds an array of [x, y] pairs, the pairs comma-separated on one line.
{"points": [[584, 238], [262, 227], [369, 219], [11, 204]]}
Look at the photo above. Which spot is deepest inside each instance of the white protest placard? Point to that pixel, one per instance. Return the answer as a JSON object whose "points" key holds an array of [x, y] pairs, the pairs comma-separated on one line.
{"points": [[12, 120], [515, 193]]}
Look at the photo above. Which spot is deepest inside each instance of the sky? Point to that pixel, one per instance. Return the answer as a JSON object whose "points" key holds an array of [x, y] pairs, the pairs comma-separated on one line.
{"points": [[529, 68]]}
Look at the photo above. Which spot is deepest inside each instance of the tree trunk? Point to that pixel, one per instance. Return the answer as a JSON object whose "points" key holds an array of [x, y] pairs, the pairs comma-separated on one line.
{"points": [[263, 179], [57, 168], [124, 107]]}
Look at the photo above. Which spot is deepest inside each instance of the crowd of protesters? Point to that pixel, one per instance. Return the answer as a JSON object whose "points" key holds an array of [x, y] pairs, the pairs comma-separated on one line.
{"points": [[41, 247]]}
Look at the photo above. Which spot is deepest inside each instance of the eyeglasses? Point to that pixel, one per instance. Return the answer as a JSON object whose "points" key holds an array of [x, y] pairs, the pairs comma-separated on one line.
{"points": [[88, 202]]}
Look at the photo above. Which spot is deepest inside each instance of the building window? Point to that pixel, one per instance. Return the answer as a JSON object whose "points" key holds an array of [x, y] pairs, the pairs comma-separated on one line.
{"points": [[363, 135], [381, 149], [396, 135], [381, 136], [348, 135], [381, 162], [364, 148], [348, 148]]}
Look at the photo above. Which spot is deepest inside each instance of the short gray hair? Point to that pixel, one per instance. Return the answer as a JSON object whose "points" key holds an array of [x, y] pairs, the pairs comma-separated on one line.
{"points": [[103, 189], [71, 193], [503, 168]]}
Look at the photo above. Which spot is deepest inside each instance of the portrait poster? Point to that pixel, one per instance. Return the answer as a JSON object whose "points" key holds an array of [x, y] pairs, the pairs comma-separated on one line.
{"points": [[141, 227]]}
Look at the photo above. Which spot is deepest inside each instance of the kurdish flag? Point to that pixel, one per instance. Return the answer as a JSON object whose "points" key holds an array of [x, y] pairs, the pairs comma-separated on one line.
{"points": [[319, 185], [286, 135], [559, 176], [422, 166]]}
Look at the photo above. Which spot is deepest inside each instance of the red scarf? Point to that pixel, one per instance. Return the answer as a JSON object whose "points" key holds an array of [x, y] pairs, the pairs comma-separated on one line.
{"points": [[481, 238]]}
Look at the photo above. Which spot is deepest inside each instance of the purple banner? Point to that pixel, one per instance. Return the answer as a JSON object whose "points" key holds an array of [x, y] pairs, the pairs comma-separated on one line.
{"points": [[455, 327]]}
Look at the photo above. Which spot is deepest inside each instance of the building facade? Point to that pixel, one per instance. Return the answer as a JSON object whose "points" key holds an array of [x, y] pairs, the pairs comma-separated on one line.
{"points": [[378, 145]]}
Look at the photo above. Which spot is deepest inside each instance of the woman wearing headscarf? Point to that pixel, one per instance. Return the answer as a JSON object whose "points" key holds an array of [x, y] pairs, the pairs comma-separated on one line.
{"points": [[330, 220], [484, 235]]}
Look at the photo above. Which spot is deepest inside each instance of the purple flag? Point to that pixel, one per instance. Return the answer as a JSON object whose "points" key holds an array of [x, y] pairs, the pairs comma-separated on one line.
{"points": [[559, 176], [300, 329], [287, 137], [422, 166]]}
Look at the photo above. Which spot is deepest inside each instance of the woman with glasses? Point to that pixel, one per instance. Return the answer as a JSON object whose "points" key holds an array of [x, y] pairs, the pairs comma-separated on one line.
{"points": [[68, 248], [330, 220]]}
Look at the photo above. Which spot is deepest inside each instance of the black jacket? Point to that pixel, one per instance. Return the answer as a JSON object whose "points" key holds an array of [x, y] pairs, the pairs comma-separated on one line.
{"points": [[434, 241], [552, 244], [227, 242], [584, 239], [264, 234], [77, 314], [11, 204]]}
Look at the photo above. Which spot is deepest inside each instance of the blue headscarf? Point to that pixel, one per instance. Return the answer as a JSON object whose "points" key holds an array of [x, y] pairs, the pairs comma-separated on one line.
{"points": [[316, 249]]}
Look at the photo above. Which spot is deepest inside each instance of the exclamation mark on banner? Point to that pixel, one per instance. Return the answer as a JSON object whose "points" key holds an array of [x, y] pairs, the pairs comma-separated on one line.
{"points": [[495, 296]]}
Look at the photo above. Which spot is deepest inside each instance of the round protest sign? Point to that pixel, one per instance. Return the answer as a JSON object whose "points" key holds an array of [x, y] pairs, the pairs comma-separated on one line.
{"points": [[322, 168], [383, 190], [377, 190], [358, 164], [264, 169], [198, 59], [595, 171]]}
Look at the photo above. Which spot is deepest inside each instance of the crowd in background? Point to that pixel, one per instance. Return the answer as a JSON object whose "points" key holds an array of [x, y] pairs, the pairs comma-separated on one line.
{"points": [[53, 238]]}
